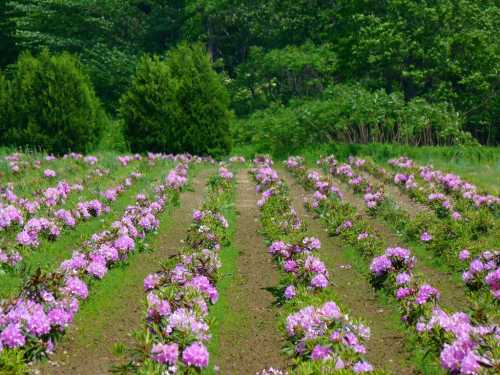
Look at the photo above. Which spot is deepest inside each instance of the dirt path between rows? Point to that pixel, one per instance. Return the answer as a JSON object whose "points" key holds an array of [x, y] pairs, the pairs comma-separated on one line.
{"points": [[254, 342], [386, 347], [452, 293], [87, 347]]}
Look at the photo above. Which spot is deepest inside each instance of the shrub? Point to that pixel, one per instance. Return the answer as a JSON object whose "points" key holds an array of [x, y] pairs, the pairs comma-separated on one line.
{"points": [[351, 114], [177, 105], [52, 105]]}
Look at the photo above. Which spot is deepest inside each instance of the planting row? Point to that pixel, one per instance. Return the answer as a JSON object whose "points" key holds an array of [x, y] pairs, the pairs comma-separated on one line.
{"points": [[463, 344], [177, 327], [321, 336], [31, 323], [449, 183]]}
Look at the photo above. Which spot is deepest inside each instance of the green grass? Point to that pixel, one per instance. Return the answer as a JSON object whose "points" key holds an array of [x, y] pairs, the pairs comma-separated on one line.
{"points": [[221, 312]]}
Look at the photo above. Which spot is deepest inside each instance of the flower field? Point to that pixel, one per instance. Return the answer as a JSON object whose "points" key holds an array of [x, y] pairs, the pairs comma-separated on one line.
{"points": [[177, 264]]}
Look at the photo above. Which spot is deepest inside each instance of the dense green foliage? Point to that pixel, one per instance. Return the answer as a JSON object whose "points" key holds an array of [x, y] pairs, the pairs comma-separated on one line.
{"points": [[50, 105], [177, 104], [281, 74], [350, 114], [275, 52]]}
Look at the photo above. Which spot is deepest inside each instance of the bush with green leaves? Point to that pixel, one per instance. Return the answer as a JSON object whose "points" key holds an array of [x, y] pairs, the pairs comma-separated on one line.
{"points": [[281, 74], [351, 114], [111, 71], [51, 105], [177, 104]]}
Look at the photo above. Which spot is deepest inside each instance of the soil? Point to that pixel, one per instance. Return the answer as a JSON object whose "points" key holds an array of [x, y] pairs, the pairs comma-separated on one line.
{"points": [[254, 342], [87, 350]]}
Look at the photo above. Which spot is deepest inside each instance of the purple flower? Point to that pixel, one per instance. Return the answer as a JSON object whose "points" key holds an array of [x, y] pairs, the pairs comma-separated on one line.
{"points": [[425, 292], [151, 281], [319, 281], [464, 255], [124, 243], [165, 353], [362, 366], [330, 310], [290, 266], [380, 265], [320, 352], [402, 278], [197, 215], [290, 292], [76, 287], [426, 237], [402, 293], [195, 355], [476, 266], [12, 336]]}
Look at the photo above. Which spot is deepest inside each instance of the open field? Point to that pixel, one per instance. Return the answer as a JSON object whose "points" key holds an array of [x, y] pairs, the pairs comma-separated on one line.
{"points": [[176, 264]]}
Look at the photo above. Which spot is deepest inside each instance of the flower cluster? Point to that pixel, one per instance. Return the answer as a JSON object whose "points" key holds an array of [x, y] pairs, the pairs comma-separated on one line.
{"points": [[402, 162], [265, 176], [9, 216], [177, 178], [36, 227], [225, 173], [9, 259], [483, 271], [294, 162], [326, 334], [406, 180], [373, 200]]}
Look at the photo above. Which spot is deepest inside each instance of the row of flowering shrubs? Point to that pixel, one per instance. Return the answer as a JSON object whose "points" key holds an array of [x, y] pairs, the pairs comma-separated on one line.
{"points": [[454, 232], [32, 229], [31, 323], [463, 344], [464, 193], [46, 215], [19, 163], [178, 296], [321, 336]]}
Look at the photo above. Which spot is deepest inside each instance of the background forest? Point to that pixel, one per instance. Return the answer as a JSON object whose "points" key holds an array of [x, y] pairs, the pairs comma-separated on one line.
{"points": [[280, 74]]}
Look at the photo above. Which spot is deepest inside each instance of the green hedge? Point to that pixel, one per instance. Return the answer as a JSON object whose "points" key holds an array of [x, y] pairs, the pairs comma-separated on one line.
{"points": [[351, 114], [50, 105], [178, 104]]}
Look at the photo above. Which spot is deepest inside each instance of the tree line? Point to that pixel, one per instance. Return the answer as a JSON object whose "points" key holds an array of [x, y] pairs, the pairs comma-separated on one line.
{"points": [[276, 53]]}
